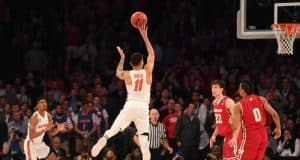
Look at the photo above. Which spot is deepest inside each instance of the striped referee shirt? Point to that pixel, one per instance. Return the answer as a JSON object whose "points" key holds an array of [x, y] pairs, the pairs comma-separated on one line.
{"points": [[157, 134]]}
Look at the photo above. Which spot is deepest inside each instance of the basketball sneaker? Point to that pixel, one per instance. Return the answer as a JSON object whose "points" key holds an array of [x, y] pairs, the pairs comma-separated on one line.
{"points": [[98, 146]]}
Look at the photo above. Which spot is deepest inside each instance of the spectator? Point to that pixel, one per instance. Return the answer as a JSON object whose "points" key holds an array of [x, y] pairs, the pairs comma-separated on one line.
{"points": [[102, 116], [56, 91], [216, 153], [19, 123], [10, 94], [170, 123], [13, 148], [58, 150], [136, 153], [28, 114], [187, 132], [3, 134], [85, 124], [201, 114], [110, 154], [84, 156], [286, 88], [24, 108], [6, 114], [74, 101], [50, 100], [289, 145], [60, 117], [22, 96], [161, 96], [167, 109]]}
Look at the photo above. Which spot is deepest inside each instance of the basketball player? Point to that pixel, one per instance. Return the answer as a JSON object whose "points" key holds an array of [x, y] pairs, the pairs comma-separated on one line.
{"points": [[223, 107], [40, 123], [251, 109], [138, 83]]}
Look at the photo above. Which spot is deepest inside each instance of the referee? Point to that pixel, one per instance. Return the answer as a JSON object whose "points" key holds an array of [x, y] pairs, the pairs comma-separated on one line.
{"points": [[157, 136]]}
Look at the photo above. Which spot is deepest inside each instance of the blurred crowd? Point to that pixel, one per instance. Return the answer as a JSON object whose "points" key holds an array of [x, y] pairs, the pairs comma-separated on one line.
{"points": [[65, 51]]}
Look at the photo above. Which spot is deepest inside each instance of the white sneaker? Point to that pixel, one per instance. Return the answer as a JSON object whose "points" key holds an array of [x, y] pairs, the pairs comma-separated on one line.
{"points": [[98, 146]]}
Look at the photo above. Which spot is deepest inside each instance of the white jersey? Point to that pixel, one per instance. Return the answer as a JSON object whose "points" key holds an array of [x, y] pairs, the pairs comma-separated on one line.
{"points": [[43, 121], [139, 90]]}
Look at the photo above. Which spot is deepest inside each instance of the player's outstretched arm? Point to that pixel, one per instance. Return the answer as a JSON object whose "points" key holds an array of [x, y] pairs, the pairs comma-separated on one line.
{"points": [[57, 127], [150, 59], [119, 71], [275, 117]]}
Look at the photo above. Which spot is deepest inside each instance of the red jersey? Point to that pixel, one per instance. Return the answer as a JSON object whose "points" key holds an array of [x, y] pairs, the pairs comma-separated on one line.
{"points": [[222, 117], [170, 122], [253, 112]]}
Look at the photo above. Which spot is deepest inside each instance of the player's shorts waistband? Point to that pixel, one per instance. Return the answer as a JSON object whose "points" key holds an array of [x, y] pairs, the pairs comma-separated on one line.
{"points": [[254, 129]]}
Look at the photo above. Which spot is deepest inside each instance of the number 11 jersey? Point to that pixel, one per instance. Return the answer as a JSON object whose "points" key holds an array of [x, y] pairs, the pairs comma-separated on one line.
{"points": [[139, 90]]}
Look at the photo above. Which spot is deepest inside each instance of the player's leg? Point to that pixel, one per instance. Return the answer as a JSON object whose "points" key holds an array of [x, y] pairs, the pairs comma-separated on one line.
{"points": [[251, 145], [27, 150], [263, 145], [121, 122], [141, 122]]}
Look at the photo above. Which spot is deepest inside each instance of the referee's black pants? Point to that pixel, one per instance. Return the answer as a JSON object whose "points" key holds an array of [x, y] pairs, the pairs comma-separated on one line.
{"points": [[155, 153]]}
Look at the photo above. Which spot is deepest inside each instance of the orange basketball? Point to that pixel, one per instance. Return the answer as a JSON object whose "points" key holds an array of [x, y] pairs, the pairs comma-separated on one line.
{"points": [[138, 19]]}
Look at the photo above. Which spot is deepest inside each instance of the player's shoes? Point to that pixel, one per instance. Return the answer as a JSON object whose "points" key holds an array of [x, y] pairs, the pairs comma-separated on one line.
{"points": [[98, 147]]}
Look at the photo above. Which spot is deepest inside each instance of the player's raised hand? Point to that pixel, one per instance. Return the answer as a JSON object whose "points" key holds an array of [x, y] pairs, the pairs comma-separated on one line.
{"points": [[120, 50], [143, 31], [277, 133]]}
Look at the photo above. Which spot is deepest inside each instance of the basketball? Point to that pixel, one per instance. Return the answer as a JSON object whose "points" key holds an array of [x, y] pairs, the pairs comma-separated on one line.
{"points": [[138, 19]]}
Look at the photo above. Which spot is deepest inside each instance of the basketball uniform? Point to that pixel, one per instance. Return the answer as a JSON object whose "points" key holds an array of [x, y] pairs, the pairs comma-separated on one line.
{"points": [[254, 119], [36, 148], [136, 108], [222, 117]]}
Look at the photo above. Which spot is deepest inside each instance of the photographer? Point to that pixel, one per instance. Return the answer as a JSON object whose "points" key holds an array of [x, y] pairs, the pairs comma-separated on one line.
{"points": [[13, 148]]}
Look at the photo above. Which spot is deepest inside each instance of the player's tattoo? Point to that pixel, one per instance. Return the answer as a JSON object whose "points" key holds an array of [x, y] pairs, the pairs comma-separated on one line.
{"points": [[120, 71]]}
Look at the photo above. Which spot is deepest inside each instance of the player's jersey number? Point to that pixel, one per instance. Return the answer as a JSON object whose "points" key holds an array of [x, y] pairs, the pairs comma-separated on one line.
{"points": [[256, 114], [218, 118], [138, 84]]}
